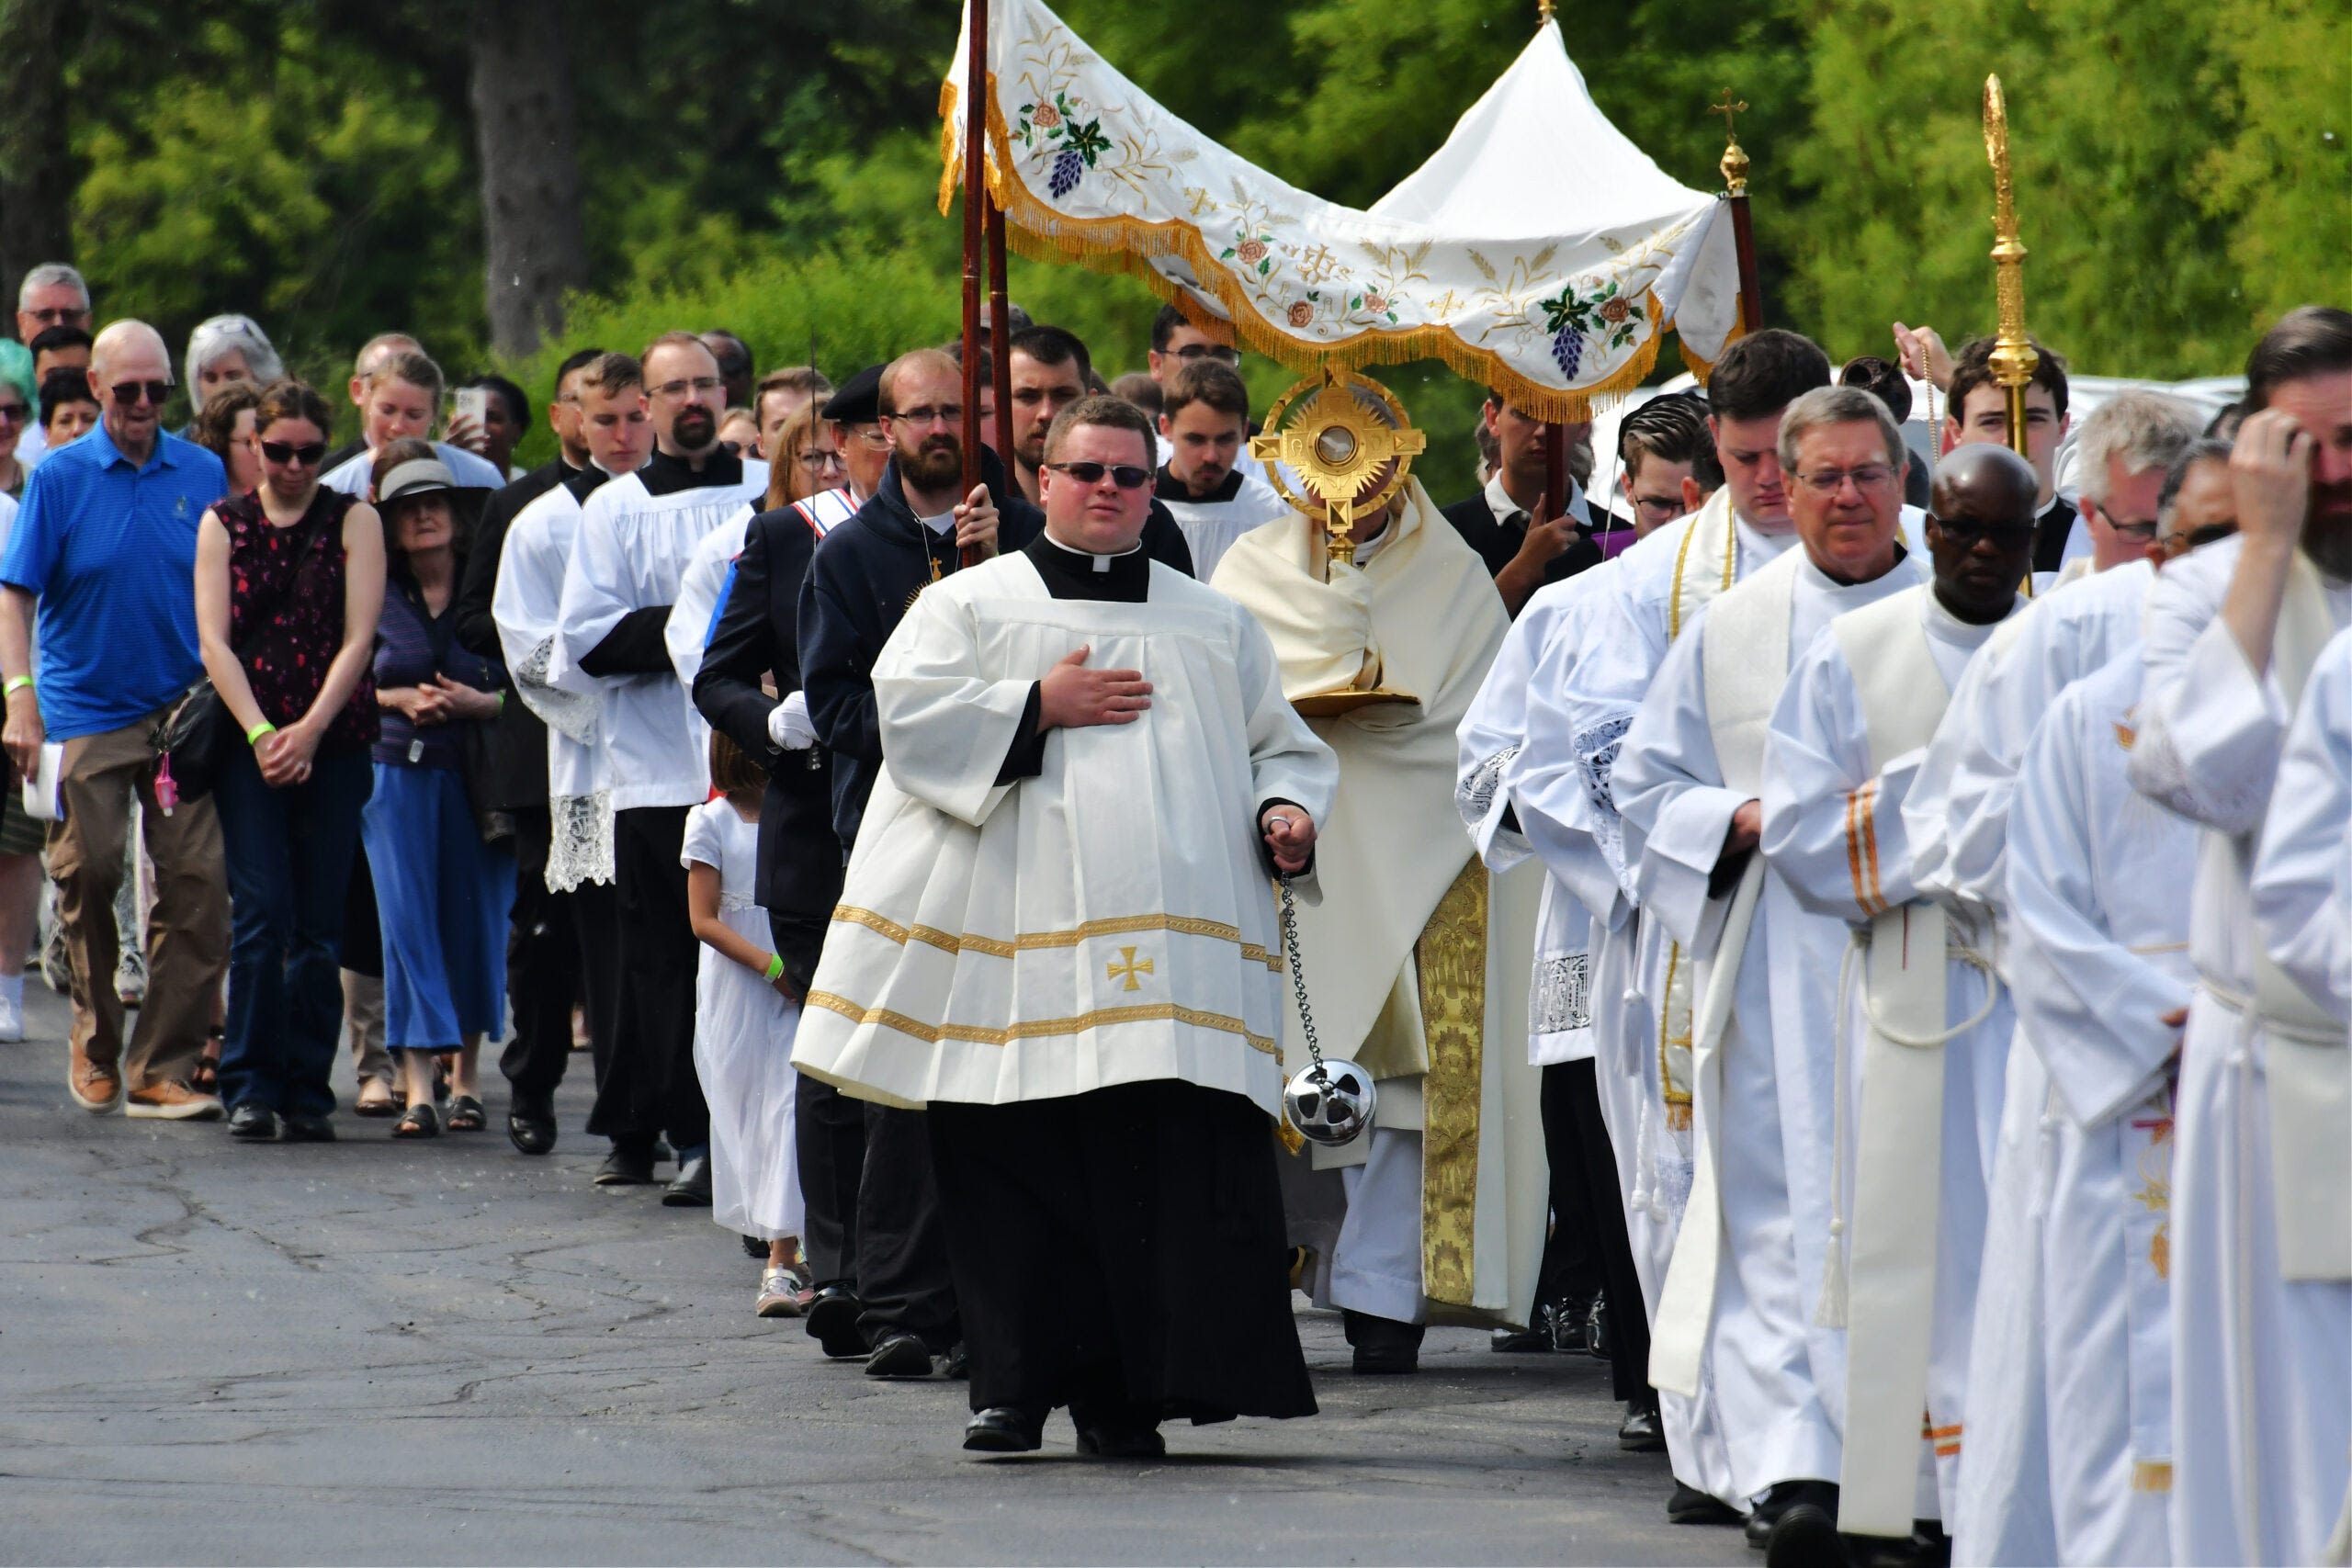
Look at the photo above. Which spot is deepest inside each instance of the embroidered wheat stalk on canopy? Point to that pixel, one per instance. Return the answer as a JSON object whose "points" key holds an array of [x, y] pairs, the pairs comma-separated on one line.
{"points": [[1538, 250]]}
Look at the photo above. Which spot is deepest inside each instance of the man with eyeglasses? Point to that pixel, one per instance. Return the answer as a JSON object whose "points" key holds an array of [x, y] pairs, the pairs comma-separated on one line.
{"points": [[1176, 342], [51, 295], [543, 967], [635, 534], [569, 875], [1689, 779], [1102, 1104], [104, 551], [880, 1265], [1666, 465], [1911, 1066]]}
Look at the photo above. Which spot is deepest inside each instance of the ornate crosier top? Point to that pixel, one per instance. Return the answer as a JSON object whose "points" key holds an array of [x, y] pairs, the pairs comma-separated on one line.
{"points": [[1735, 160], [2013, 360]]}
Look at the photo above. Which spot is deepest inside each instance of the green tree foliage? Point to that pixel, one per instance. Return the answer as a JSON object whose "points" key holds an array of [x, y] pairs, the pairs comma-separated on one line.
{"points": [[771, 165]]}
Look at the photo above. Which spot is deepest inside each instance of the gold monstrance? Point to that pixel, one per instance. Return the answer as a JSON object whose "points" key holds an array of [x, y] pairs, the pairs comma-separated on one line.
{"points": [[2013, 360], [1351, 447]]}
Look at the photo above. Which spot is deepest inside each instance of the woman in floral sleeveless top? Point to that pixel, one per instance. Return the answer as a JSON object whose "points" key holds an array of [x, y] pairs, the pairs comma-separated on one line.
{"points": [[290, 580]]}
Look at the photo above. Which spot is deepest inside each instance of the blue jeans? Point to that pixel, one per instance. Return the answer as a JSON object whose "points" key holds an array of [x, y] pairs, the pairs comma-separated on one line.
{"points": [[288, 854]]}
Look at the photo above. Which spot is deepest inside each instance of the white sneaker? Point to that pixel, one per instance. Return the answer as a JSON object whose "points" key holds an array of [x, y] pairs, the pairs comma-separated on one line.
{"points": [[12, 1019]]}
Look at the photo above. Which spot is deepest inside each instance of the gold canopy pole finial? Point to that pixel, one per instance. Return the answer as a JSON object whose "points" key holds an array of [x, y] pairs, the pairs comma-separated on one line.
{"points": [[1543, 13], [2013, 360], [1743, 234]]}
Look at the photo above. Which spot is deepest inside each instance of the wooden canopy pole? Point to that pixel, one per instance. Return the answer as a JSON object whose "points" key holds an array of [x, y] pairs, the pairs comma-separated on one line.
{"points": [[1743, 234], [976, 120], [1000, 334]]}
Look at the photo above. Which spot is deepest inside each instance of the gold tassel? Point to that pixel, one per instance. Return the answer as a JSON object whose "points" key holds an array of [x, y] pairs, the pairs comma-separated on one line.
{"points": [[2152, 1475]]}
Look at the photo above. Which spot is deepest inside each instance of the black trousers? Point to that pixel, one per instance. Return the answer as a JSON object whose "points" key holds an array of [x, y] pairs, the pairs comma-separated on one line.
{"points": [[903, 1275], [1572, 1267], [551, 966], [829, 1142], [650, 1087], [1579, 1138]]}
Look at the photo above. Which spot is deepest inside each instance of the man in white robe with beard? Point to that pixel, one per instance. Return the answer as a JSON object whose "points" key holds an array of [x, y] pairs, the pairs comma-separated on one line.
{"points": [[1765, 980], [1958, 819], [2261, 1240], [1921, 1048]]}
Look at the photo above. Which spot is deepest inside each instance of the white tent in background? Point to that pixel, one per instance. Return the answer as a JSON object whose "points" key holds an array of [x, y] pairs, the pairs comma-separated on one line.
{"points": [[1538, 250]]}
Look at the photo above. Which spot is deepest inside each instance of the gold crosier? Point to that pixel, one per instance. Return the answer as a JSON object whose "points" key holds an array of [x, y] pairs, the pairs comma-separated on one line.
{"points": [[2013, 360]]}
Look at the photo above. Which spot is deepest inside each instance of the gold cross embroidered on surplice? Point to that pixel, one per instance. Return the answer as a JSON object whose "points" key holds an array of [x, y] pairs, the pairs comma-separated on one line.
{"points": [[1127, 968]]}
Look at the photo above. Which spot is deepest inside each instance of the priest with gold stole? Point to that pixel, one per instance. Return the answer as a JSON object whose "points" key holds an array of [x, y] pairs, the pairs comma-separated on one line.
{"points": [[1418, 959], [1058, 934]]}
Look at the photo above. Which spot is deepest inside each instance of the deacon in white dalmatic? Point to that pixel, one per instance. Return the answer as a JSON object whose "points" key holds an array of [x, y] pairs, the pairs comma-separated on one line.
{"points": [[1920, 1053], [1058, 935], [1765, 968], [2261, 1209]]}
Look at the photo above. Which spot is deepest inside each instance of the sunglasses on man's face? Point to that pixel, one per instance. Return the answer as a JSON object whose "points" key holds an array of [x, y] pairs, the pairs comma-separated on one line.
{"points": [[14, 414], [1127, 476], [130, 393], [283, 452]]}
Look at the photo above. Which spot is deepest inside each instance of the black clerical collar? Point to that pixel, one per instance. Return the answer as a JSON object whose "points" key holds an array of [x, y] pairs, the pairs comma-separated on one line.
{"points": [[1076, 574], [666, 475], [2050, 531], [1171, 488], [584, 483]]}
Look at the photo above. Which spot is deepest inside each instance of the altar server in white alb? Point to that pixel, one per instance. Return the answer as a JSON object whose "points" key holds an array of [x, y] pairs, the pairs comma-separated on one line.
{"points": [[634, 537], [1689, 782], [2262, 1211], [1659, 586], [1921, 1049], [526, 602], [1213, 495], [1958, 822], [1446, 1195], [1057, 935]]}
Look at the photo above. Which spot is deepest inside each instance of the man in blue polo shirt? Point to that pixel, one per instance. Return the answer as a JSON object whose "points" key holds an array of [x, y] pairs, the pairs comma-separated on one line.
{"points": [[104, 551]]}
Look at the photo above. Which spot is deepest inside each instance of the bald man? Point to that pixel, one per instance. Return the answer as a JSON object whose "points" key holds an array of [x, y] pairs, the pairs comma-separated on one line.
{"points": [[107, 540], [1921, 1050]]}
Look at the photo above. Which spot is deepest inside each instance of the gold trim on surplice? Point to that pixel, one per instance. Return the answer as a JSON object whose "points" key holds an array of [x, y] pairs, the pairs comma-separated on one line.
{"points": [[1450, 961]]}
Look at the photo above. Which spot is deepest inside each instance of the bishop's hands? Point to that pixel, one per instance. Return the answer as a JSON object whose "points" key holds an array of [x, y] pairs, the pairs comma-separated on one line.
{"points": [[1290, 837], [976, 522], [1071, 696]]}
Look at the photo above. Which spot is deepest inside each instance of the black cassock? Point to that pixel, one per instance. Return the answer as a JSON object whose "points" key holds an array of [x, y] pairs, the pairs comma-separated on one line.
{"points": [[1120, 1251]]}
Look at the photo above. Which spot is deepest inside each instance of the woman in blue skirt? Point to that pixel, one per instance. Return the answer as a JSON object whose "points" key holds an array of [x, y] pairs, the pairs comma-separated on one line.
{"points": [[442, 892]]}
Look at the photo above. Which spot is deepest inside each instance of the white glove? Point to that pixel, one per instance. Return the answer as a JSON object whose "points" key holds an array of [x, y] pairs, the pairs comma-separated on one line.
{"points": [[788, 725]]}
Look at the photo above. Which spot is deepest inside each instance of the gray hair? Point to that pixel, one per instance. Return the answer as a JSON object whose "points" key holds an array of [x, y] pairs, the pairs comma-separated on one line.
{"points": [[224, 335], [1837, 405], [2204, 449], [2140, 430], [48, 275]]}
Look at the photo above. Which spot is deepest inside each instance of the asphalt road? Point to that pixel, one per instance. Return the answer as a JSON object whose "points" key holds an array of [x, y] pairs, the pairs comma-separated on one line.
{"points": [[379, 1352]]}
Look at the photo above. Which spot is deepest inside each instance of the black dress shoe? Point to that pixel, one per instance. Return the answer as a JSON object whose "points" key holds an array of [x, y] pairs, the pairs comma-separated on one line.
{"points": [[1805, 1535], [1600, 1330], [1925, 1547], [1569, 1329], [1639, 1433], [957, 1363], [832, 1320], [627, 1166], [1778, 1498], [1383, 1347], [1689, 1506], [308, 1130], [1540, 1335], [692, 1188], [1005, 1429], [530, 1124], [898, 1354], [1121, 1441], [253, 1123]]}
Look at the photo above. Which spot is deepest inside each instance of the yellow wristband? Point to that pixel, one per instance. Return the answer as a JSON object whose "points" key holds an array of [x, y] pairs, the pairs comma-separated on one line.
{"points": [[258, 731], [15, 683], [775, 967]]}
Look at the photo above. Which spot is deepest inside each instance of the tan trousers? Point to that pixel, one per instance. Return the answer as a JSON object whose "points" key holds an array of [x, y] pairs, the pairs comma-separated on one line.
{"points": [[188, 931], [363, 1017]]}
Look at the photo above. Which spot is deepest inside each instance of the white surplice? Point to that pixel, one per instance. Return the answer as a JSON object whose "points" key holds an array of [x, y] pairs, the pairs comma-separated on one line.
{"points": [[526, 604], [1210, 527], [2099, 958], [1778, 1376], [1109, 920], [1834, 830], [2262, 1370]]}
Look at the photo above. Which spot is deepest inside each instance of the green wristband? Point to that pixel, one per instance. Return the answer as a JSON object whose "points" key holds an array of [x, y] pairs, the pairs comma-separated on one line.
{"points": [[258, 731], [17, 683], [775, 967]]}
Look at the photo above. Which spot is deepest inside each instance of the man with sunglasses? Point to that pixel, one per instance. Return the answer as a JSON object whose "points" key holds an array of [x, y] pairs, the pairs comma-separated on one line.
{"points": [[104, 552], [1914, 1066], [1101, 1102]]}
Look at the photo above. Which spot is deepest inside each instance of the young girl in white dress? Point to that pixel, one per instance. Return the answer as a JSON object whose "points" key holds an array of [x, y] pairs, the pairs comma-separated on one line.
{"points": [[744, 1017]]}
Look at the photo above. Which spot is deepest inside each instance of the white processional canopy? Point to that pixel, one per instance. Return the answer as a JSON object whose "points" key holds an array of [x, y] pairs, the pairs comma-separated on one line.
{"points": [[1538, 250]]}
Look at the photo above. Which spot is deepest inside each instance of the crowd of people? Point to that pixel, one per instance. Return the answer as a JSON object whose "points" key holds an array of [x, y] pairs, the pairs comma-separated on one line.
{"points": [[1889, 1002]]}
